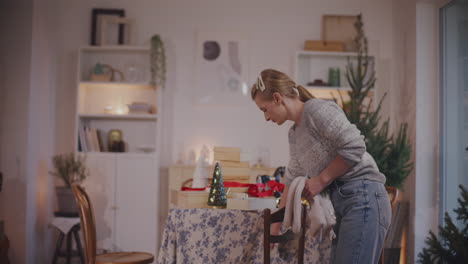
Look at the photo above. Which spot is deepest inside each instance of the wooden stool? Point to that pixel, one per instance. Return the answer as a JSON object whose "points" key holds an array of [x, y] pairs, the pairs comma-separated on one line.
{"points": [[69, 252]]}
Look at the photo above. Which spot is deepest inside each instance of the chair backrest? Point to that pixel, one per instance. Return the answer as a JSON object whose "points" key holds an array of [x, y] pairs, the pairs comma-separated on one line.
{"points": [[278, 216], [88, 224]]}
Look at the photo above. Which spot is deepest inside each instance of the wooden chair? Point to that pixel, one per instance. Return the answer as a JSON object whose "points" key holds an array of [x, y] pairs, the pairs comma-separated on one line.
{"points": [[278, 216], [88, 227], [393, 195]]}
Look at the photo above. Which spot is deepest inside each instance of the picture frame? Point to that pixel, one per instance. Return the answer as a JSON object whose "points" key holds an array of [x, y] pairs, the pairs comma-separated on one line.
{"points": [[221, 68], [105, 33], [95, 13]]}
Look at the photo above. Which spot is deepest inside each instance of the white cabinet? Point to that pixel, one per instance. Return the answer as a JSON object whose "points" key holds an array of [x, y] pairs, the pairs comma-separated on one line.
{"points": [[123, 186], [100, 186], [315, 65], [123, 191], [137, 202]]}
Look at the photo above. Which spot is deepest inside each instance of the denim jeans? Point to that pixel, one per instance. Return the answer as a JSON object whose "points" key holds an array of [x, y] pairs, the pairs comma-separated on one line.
{"points": [[363, 214]]}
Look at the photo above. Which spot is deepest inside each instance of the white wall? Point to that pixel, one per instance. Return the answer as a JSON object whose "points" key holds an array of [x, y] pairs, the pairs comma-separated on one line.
{"points": [[41, 133], [27, 111], [15, 22], [416, 57], [405, 62], [427, 126]]}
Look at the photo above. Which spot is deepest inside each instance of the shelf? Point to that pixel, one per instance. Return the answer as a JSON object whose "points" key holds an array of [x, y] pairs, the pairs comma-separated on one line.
{"points": [[326, 53], [129, 154], [120, 117], [328, 88], [115, 48], [119, 84]]}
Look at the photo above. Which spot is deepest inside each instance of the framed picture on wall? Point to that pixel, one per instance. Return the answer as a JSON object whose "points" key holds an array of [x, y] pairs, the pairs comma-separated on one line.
{"points": [[96, 13], [221, 68]]}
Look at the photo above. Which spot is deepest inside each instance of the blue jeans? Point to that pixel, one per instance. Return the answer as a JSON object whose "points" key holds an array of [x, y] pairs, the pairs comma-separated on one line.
{"points": [[363, 214]]}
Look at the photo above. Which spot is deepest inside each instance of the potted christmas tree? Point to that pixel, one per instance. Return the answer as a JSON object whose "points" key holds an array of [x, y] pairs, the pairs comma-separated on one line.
{"points": [[392, 154], [70, 169]]}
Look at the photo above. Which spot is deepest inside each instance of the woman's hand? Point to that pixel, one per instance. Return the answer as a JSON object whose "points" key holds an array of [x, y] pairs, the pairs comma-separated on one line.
{"points": [[274, 231], [313, 186]]}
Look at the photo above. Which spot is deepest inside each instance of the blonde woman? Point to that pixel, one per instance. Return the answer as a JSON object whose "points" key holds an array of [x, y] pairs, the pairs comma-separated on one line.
{"points": [[331, 151]]}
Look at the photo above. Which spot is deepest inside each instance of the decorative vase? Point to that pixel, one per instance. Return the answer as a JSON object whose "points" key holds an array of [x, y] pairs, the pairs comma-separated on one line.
{"points": [[66, 201]]}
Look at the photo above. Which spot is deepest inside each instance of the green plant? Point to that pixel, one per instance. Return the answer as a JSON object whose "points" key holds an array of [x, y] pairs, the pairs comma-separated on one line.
{"points": [[392, 154], [452, 244], [70, 168], [158, 61]]}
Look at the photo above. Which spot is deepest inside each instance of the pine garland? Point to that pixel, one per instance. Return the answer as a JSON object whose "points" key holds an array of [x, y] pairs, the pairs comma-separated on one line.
{"points": [[391, 154], [158, 62]]}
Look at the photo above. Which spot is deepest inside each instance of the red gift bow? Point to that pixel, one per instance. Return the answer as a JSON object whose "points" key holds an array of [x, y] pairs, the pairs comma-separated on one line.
{"points": [[259, 189]]}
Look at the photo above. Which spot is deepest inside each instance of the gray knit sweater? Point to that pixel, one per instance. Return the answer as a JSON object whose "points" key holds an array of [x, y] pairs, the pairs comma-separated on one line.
{"points": [[323, 133]]}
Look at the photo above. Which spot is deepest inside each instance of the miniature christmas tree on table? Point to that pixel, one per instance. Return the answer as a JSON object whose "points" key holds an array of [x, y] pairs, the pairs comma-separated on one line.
{"points": [[217, 196]]}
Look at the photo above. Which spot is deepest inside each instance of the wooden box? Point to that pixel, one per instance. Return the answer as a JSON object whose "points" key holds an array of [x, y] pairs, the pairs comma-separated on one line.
{"points": [[234, 164], [189, 199], [251, 203], [321, 45], [340, 28], [226, 154]]}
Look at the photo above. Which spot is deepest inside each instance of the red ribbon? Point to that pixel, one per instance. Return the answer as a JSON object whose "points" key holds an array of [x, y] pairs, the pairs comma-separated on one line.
{"points": [[259, 189], [226, 184]]}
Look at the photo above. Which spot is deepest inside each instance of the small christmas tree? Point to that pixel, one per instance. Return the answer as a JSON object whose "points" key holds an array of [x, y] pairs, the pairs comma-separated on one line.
{"points": [[391, 154], [452, 244], [217, 196]]}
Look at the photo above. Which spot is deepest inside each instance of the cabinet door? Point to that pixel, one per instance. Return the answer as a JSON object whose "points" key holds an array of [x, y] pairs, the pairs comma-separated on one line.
{"points": [[137, 199], [100, 186]]}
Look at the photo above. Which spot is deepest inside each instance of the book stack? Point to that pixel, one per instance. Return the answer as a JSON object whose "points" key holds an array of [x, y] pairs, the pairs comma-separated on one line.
{"points": [[89, 139], [232, 168], [139, 108]]}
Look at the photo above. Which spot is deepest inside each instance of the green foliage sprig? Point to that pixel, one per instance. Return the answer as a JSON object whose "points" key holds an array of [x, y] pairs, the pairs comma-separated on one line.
{"points": [[158, 62], [70, 168]]}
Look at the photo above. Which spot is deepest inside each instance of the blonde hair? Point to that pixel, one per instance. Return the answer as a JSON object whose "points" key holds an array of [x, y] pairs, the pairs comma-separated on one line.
{"points": [[272, 81]]}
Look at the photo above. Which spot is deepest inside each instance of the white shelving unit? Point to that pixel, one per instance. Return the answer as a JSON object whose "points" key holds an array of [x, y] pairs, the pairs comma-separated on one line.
{"points": [[103, 106], [312, 65], [122, 186]]}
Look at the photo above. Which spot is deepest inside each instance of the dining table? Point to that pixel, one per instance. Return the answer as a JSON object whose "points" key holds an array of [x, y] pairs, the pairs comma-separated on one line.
{"points": [[206, 235]]}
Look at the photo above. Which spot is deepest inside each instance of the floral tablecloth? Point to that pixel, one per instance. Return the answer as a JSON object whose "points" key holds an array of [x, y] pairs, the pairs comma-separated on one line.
{"points": [[228, 236]]}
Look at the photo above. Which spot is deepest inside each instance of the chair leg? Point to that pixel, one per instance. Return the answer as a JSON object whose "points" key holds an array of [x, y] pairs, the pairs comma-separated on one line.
{"points": [[58, 246], [78, 245], [300, 256], [266, 236]]}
